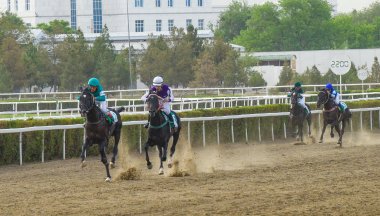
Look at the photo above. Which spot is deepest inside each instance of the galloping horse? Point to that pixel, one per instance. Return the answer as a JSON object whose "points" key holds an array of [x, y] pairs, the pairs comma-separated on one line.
{"points": [[159, 132], [97, 129], [332, 116], [298, 116]]}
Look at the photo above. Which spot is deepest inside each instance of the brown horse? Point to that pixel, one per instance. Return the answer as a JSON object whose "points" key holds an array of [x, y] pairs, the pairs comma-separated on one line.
{"points": [[98, 129]]}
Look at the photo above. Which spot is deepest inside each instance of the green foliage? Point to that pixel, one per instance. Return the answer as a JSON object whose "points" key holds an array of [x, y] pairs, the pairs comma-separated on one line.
{"points": [[286, 76], [56, 27], [375, 72], [233, 20]]}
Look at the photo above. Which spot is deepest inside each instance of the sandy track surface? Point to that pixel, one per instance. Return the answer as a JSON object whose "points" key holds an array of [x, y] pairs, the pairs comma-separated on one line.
{"points": [[234, 179]]}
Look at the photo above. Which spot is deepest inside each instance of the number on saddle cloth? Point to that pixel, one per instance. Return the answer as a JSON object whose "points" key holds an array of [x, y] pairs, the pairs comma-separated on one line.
{"points": [[342, 106], [111, 117]]}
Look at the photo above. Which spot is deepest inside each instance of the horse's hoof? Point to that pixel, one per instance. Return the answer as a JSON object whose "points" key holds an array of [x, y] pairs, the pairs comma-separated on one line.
{"points": [[108, 179], [170, 163], [161, 172], [320, 141], [112, 165], [83, 164], [150, 166]]}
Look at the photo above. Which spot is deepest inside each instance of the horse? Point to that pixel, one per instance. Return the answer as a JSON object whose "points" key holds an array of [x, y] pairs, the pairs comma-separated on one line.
{"points": [[298, 116], [159, 132], [332, 116], [98, 129]]}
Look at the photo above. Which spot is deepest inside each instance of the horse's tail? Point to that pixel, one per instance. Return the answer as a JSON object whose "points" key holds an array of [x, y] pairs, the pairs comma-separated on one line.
{"points": [[120, 109]]}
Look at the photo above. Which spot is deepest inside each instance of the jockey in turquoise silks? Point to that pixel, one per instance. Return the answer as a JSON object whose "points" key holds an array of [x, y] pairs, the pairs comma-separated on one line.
{"points": [[297, 89], [336, 97], [96, 89]]}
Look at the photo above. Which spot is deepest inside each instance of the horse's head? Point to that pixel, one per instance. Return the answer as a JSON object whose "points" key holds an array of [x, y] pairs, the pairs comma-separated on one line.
{"points": [[293, 102], [86, 101], [153, 104], [323, 97]]}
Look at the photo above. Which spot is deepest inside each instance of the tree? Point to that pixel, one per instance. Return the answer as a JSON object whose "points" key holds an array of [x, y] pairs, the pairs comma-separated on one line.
{"points": [[256, 79], [286, 75], [330, 77], [262, 32], [75, 62], [312, 76], [205, 72], [154, 60], [13, 26], [56, 27], [231, 71], [375, 74], [12, 59], [232, 21], [5, 79]]}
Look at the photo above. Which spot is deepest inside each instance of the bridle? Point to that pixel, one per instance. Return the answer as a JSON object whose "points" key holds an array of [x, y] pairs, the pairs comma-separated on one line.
{"points": [[85, 104]]}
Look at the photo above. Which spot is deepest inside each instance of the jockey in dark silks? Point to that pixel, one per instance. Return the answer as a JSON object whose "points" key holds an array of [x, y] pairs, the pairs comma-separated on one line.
{"points": [[165, 92], [336, 97], [298, 91]]}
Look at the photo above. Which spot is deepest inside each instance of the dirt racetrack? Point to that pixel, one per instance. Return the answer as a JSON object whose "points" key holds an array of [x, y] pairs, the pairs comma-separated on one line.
{"points": [[234, 179]]}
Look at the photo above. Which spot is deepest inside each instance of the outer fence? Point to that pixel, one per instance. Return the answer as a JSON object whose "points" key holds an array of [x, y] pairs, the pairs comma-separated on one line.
{"points": [[178, 92], [189, 120], [67, 109]]}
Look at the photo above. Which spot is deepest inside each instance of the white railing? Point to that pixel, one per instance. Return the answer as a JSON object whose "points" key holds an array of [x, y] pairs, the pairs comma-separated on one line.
{"points": [[188, 120], [120, 94], [18, 110]]}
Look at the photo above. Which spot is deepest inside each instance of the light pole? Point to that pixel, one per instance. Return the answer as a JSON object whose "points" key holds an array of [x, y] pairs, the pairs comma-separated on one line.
{"points": [[129, 47]]}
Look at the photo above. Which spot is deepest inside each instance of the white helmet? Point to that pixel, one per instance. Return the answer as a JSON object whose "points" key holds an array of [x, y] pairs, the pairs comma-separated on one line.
{"points": [[157, 81]]}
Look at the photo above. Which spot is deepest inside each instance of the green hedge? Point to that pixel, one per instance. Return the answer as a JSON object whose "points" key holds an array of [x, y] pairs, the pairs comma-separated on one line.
{"points": [[33, 141]]}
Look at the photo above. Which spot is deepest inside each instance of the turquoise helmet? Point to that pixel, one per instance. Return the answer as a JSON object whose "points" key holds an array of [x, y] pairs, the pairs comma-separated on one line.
{"points": [[297, 84], [93, 82]]}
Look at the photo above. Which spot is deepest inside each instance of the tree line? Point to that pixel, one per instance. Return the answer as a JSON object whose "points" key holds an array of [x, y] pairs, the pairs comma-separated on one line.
{"points": [[183, 59]]}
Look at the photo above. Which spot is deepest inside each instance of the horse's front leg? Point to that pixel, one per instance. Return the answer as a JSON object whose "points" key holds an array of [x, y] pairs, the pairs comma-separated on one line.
{"points": [[148, 163], [300, 131], [323, 131], [84, 152], [102, 150], [160, 154], [115, 148], [309, 124]]}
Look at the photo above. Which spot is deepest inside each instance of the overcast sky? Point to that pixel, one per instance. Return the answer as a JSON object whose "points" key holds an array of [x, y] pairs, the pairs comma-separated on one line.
{"points": [[349, 5]]}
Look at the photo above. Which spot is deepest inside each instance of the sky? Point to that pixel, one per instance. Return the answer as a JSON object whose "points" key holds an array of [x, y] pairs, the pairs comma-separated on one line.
{"points": [[345, 6]]}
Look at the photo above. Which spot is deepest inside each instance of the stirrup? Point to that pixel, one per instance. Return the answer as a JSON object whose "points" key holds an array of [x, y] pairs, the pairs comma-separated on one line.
{"points": [[146, 125]]}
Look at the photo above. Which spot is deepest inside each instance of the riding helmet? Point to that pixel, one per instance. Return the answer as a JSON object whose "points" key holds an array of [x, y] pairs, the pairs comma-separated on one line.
{"points": [[297, 84], [329, 86], [157, 81], [93, 82]]}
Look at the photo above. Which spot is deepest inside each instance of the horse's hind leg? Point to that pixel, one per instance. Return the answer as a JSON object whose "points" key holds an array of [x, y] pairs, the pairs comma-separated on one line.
{"points": [[102, 150], [337, 128], [309, 125], [332, 132], [115, 148], [160, 154], [172, 148], [148, 163]]}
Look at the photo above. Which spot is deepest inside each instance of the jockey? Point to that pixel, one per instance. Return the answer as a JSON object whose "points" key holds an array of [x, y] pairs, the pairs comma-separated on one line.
{"points": [[165, 92], [96, 89], [297, 90], [335, 96]]}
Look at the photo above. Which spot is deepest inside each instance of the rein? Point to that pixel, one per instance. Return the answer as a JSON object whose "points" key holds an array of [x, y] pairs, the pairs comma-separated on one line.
{"points": [[161, 125]]}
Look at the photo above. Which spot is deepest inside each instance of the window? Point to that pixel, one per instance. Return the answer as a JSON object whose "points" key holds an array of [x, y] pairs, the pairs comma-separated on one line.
{"points": [[16, 5], [188, 3], [170, 25], [9, 5], [27, 5], [188, 22], [200, 3], [98, 23], [170, 3], [139, 25], [200, 24], [73, 4], [139, 3], [158, 25], [158, 3]]}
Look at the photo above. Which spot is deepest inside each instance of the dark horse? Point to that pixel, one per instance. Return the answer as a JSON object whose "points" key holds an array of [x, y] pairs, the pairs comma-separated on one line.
{"points": [[159, 132], [298, 116], [98, 129], [332, 116]]}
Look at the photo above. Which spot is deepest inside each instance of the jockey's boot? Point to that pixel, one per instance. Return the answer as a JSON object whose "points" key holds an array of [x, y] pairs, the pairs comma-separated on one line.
{"points": [[173, 127]]}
